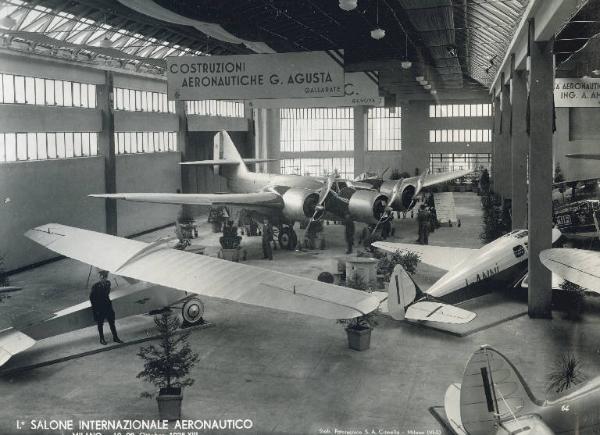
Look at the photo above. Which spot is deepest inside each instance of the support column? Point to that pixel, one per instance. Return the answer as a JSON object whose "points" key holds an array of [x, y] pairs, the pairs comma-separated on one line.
{"points": [[496, 145], [272, 144], [182, 144], [519, 149], [360, 138], [505, 152], [541, 78], [106, 148]]}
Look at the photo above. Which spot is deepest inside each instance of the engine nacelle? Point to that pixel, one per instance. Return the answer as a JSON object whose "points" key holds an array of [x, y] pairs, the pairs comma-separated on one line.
{"points": [[299, 204], [404, 198], [367, 206]]}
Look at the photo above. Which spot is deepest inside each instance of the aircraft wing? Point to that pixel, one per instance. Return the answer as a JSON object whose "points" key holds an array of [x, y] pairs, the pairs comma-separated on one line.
{"points": [[525, 425], [13, 342], [575, 265], [439, 256], [260, 199], [438, 312], [442, 177], [203, 275]]}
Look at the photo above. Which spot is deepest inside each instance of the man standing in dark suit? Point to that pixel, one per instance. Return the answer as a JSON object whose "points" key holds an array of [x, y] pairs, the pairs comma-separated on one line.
{"points": [[102, 307], [267, 239]]}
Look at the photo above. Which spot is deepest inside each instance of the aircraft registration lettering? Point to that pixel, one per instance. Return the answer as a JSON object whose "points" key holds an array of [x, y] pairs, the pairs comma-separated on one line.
{"points": [[480, 276]]}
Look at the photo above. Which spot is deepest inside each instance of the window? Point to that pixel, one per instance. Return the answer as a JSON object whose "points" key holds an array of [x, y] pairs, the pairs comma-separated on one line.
{"points": [[461, 135], [143, 142], [44, 146], [19, 89], [459, 110], [230, 109], [142, 101], [457, 162], [317, 129], [45, 92], [384, 129], [343, 166]]}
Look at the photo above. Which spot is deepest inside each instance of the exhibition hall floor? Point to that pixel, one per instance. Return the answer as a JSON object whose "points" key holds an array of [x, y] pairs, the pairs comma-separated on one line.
{"points": [[287, 373]]}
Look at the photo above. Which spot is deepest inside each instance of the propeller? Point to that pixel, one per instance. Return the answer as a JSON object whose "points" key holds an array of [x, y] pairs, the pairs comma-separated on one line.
{"points": [[320, 206], [385, 216]]}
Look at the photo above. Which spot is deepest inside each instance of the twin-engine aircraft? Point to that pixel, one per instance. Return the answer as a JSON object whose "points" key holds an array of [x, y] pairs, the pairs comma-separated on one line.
{"points": [[285, 199], [165, 278], [493, 399], [470, 272]]}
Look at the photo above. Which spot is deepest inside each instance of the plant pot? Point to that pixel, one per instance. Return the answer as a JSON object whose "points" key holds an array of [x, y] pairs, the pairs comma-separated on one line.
{"points": [[359, 339], [169, 403]]}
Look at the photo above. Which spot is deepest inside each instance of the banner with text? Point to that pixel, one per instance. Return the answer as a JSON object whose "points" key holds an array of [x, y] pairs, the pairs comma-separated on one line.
{"points": [[244, 77], [360, 89], [578, 92]]}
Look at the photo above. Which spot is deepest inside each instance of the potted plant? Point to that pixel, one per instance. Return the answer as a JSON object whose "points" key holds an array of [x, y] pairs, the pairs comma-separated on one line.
{"points": [[167, 365], [359, 328]]}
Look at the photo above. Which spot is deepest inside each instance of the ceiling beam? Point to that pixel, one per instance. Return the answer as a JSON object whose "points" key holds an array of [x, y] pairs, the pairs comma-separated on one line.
{"points": [[549, 17]]}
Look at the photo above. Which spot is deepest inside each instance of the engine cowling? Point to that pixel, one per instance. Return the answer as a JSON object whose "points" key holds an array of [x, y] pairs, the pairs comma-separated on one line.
{"points": [[404, 199], [367, 206], [299, 204]]}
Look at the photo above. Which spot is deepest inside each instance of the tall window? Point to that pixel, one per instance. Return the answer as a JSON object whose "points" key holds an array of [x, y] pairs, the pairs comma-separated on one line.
{"points": [[45, 146], [130, 142], [17, 89], [384, 127], [230, 109], [323, 129], [459, 110], [133, 100], [457, 162], [342, 166], [460, 135]]}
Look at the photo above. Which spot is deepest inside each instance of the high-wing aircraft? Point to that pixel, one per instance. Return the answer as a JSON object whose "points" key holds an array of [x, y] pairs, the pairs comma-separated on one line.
{"points": [[285, 199], [178, 277], [493, 399], [162, 277], [471, 272]]}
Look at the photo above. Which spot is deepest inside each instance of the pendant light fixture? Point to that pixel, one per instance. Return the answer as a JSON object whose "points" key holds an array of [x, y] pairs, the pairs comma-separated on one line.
{"points": [[405, 64], [378, 32]]}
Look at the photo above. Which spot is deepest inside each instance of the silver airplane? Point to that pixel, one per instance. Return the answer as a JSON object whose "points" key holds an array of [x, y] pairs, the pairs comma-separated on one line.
{"points": [[285, 199]]}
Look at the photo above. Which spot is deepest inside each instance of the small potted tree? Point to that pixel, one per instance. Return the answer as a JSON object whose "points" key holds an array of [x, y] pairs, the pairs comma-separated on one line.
{"points": [[359, 328], [167, 365]]}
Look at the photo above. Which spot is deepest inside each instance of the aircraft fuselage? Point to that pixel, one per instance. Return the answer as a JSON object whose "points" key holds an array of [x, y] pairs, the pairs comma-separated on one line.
{"points": [[494, 264]]}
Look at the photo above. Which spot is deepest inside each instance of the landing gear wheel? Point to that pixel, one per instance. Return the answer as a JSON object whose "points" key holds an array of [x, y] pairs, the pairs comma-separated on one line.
{"points": [[288, 239], [192, 312]]}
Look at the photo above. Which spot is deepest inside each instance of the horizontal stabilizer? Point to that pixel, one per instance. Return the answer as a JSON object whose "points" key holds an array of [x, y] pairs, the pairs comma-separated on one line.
{"points": [[452, 409], [226, 162], [210, 162], [13, 342], [260, 199], [438, 312]]}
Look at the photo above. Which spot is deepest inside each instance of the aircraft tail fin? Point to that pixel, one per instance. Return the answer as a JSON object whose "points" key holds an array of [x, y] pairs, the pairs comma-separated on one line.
{"points": [[402, 291], [224, 149], [492, 391]]}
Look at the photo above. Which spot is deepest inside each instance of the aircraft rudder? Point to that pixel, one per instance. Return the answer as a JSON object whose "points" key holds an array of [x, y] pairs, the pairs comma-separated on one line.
{"points": [[401, 292], [492, 390]]}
